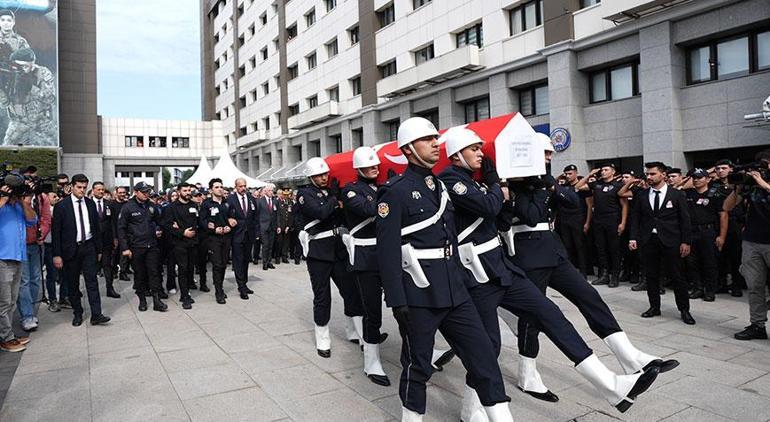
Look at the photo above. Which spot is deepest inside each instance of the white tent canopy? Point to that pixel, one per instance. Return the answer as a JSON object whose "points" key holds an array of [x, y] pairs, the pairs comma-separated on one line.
{"points": [[228, 172], [203, 174]]}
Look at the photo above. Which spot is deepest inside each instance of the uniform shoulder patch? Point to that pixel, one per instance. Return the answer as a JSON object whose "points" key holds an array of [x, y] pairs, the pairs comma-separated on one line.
{"points": [[460, 188], [351, 194], [383, 209], [301, 200]]}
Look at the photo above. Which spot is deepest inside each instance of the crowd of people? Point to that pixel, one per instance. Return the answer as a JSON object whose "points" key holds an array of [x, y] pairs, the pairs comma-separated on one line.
{"points": [[446, 248]]}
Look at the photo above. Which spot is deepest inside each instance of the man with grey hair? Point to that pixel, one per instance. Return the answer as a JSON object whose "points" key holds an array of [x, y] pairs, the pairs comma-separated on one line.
{"points": [[267, 223], [243, 219]]}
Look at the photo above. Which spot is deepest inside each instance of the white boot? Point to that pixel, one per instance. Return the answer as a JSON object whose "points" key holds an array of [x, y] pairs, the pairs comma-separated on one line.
{"points": [[410, 415], [473, 410], [323, 341], [619, 390], [358, 324], [441, 358], [373, 366], [530, 381], [350, 330], [631, 359], [499, 413]]}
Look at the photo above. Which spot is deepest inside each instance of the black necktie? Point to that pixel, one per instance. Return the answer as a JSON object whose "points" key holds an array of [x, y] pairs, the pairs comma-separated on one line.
{"points": [[101, 211], [656, 203], [82, 223]]}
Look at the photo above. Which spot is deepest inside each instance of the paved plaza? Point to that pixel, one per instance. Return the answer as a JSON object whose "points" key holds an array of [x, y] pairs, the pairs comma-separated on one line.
{"points": [[255, 360]]}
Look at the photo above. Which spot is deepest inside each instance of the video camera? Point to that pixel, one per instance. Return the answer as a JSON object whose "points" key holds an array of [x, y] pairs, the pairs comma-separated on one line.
{"points": [[740, 174], [24, 185]]}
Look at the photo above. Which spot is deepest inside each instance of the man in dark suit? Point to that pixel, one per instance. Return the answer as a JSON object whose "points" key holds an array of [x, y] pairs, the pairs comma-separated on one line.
{"points": [[108, 240], [243, 219], [268, 223], [661, 228], [283, 212], [77, 247]]}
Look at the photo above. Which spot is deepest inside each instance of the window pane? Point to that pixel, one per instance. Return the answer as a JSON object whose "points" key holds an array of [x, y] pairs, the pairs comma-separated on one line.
{"points": [[598, 87], [529, 16], [622, 85], [733, 57], [470, 112], [763, 50], [525, 102], [699, 65], [541, 100], [483, 109], [515, 21]]}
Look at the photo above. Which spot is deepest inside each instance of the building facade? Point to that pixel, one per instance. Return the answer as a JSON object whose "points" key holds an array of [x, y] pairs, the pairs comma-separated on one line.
{"points": [[630, 80]]}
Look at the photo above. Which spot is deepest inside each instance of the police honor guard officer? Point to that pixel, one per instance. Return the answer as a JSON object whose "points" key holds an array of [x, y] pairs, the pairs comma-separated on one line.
{"points": [[326, 255], [138, 233], [213, 220], [360, 207], [424, 281], [180, 220], [497, 282]]}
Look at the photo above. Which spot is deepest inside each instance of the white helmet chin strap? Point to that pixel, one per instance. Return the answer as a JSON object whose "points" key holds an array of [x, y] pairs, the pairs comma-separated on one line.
{"points": [[463, 163], [417, 156]]}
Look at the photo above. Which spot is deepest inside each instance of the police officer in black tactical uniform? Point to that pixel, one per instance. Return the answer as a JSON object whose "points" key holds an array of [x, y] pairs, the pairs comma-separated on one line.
{"points": [[709, 230], [535, 248], [360, 206], [180, 221], [138, 234], [212, 219], [121, 263], [497, 282], [202, 251], [609, 221], [424, 281], [575, 222], [327, 258], [730, 256]]}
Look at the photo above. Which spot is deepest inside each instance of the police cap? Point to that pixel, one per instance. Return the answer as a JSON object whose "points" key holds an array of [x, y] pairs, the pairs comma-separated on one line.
{"points": [[143, 187], [570, 167]]}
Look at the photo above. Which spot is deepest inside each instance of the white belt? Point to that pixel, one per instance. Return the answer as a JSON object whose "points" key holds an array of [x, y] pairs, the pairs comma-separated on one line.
{"points": [[486, 246], [433, 253], [322, 235], [469, 257], [365, 242], [508, 236]]}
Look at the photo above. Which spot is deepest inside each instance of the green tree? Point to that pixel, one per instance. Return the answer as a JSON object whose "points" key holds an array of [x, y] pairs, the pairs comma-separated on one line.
{"points": [[187, 173], [166, 178]]}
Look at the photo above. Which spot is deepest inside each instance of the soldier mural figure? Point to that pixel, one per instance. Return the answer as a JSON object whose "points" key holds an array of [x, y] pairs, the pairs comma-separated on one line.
{"points": [[10, 40]]}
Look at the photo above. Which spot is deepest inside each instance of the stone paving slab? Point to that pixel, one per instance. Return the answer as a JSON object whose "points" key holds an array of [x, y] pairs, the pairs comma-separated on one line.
{"points": [[255, 360]]}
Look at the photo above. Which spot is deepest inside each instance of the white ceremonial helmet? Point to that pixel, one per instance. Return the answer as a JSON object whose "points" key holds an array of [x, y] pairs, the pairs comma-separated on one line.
{"points": [[415, 128], [365, 157], [458, 138], [546, 141], [316, 166]]}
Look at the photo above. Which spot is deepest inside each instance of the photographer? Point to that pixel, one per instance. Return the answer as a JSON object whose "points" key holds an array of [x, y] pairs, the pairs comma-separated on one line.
{"points": [[752, 185], [15, 213], [31, 274]]}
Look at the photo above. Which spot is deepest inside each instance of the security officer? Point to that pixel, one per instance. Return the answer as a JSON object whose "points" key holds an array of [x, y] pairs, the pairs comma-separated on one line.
{"points": [[709, 230], [730, 256], [180, 220], [609, 221], [575, 222], [124, 269], [213, 220], [201, 252], [138, 234], [496, 281], [535, 248], [107, 233], [424, 281], [629, 259], [360, 207], [283, 222], [319, 203]]}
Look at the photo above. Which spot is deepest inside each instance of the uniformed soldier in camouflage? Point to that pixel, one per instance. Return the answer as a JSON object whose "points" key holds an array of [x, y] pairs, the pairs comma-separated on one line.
{"points": [[10, 40]]}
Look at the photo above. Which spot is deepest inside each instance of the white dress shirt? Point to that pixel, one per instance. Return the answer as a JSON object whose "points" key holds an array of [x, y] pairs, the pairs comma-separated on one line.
{"points": [[86, 222]]}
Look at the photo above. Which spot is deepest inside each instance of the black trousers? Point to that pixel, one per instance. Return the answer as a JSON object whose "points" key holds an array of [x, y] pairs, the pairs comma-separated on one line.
{"points": [[565, 279], [279, 245], [146, 263], [462, 328], [370, 289], [656, 256], [83, 262], [185, 257], [202, 257], [321, 273], [257, 249], [607, 243], [575, 241], [219, 247], [124, 264], [267, 238], [106, 264], [241, 261], [169, 259], [701, 264]]}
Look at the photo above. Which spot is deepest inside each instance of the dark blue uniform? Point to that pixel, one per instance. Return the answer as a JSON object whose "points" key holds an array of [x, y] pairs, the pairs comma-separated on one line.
{"points": [[546, 262], [701, 264], [443, 304], [213, 215], [360, 205], [327, 257], [137, 225], [507, 284]]}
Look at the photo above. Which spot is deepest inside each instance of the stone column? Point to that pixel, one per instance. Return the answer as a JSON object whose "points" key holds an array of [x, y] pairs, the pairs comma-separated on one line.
{"points": [[501, 99]]}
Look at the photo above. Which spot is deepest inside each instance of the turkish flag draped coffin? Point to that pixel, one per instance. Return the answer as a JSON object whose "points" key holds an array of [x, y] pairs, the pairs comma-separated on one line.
{"points": [[391, 158]]}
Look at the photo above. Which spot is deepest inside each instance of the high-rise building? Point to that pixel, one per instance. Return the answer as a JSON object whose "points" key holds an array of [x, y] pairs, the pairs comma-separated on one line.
{"points": [[627, 80]]}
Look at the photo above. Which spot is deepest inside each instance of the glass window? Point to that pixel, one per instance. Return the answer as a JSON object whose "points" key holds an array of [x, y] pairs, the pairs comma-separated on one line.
{"points": [[355, 85], [515, 16], [420, 3], [334, 93], [587, 3], [599, 87], [310, 17], [541, 100], [353, 35], [733, 58], [700, 70], [391, 128], [330, 4], [621, 83], [530, 16], [312, 101], [477, 110], [386, 15], [423, 55], [525, 103], [763, 50], [387, 69], [311, 61], [332, 48]]}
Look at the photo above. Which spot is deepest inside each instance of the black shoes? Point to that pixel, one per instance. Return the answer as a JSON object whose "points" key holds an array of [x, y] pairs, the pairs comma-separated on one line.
{"points": [[687, 318], [640, 287], [187, 303], [652, 312], [142, 302], [736, 292], [382, 380], [244, 296], [547, 396], [286, 261], [696, 294], [205, 288], [220, 298], [248, 290], [157, 304], [438, 365], [99, 319], [162, 294], [194, 287], [77, 321], [662, 365], [642, 384], [603, 279], [324, 353], [112, 293], [614, 281], [271, 266], [752, 332], [123, 277], [264, 268], [708, 297]]}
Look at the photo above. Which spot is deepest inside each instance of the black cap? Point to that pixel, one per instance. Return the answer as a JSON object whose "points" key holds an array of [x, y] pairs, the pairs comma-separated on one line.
{"points": [[143, 187], [196, 192], [674, 170], [608, 164], [698, 173], [570, 167], [724, 162]]}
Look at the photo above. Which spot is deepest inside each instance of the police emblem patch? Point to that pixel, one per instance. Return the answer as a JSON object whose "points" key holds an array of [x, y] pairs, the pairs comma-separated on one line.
{"points": [[321, 195], [460, 188], [383, 209], [301, 200], [430, 183], [416, 195], [369, 198], [351, 194]]}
